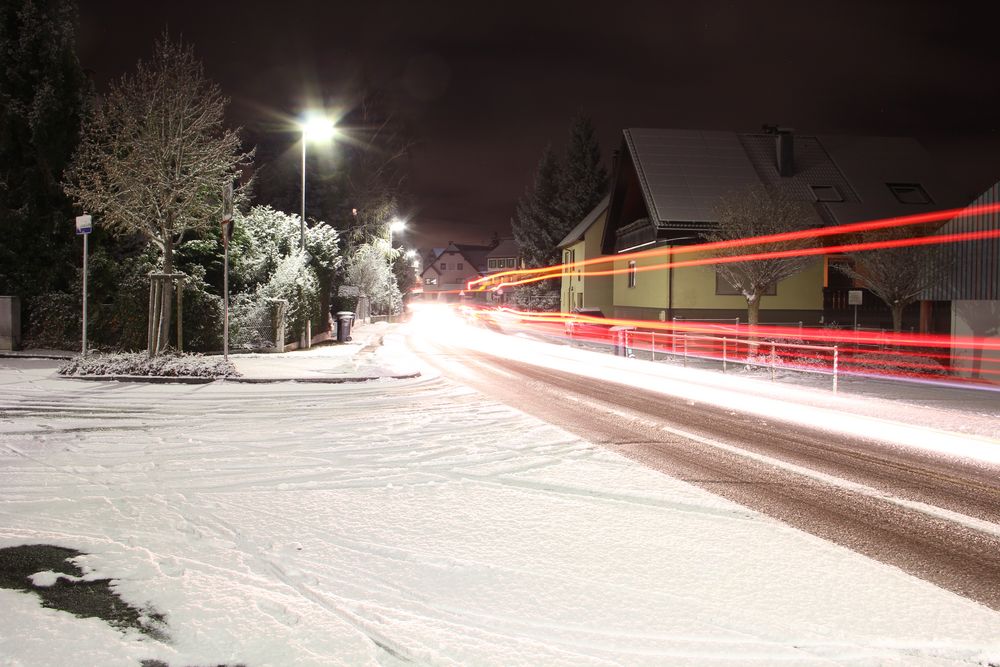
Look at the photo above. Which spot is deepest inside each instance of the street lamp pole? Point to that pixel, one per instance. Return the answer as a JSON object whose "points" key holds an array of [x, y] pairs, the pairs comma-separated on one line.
{"points": [[302, 220]]}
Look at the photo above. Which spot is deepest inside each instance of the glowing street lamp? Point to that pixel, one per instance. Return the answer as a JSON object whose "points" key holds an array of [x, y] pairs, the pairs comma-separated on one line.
{"points": [[313, 128], [395, 226]]}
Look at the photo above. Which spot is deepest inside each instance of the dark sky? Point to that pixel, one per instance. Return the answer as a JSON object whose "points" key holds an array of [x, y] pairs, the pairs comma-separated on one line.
{"points": [[488, 85]]}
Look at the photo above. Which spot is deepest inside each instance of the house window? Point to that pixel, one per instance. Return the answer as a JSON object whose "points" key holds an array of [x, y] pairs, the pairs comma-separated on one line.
{"points": [[826, 193], [910, 193], [724, 288], [631, 274], [444, 266], [491, 264], [511, 263], [579, 299], [459, 266]]}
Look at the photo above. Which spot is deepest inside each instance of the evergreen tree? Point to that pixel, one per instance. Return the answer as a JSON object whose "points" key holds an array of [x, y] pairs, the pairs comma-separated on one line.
{"points": [[583, 180], [537, 220], [42, 92], [561, 195]]}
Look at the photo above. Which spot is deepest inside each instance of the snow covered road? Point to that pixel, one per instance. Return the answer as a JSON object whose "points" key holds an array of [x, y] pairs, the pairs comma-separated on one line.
{"points": [[415, 522]]}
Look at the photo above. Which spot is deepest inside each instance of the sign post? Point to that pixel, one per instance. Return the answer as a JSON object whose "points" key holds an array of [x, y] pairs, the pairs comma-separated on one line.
{"points": [[227, 232], [854, 299], [84, 225]]}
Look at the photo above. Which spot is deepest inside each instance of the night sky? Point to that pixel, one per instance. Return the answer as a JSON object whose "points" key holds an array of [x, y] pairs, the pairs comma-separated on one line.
{"points": [[488, 85]]}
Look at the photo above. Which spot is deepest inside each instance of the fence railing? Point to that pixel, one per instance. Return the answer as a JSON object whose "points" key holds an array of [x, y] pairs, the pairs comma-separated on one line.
{"points": [[735, 349]]}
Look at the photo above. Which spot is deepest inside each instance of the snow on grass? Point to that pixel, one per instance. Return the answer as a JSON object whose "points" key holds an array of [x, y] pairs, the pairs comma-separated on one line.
{"points": [[416, 522]]}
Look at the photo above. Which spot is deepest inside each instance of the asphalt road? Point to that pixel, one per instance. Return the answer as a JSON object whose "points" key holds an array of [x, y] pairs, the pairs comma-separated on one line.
{"points": [[934, 517]]}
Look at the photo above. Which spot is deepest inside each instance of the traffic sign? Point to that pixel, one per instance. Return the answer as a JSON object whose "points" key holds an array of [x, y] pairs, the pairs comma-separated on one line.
{"points": [[84, 224], [854, 297]]}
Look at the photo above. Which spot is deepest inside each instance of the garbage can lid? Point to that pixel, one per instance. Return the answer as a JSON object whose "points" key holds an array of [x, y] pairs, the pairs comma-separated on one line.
{"points": [[345, 313]]}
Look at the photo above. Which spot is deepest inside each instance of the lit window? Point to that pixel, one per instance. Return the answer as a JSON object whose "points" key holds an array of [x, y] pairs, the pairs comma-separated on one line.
{"points": [[631, 274], [910, 193], [826, 193]]}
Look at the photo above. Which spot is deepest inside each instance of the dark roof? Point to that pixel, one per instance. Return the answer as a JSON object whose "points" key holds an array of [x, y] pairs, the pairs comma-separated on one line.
{"points": [[576, 234], [476, 254], [684, 173], [506, 248]]}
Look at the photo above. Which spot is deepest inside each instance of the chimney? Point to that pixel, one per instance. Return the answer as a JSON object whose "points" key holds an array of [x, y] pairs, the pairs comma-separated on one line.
{"points": [[784, 148]]}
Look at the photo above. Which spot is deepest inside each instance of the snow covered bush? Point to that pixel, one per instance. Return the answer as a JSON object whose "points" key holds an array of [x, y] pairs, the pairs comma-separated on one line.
{"points": [[139, 364], [267, 263], [370, 270]]}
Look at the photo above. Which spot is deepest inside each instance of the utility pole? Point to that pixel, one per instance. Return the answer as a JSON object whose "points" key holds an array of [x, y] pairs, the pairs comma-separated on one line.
{"points": [[84, 225]]}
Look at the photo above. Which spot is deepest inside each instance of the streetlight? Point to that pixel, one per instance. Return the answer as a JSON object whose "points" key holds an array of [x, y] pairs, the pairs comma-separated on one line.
{"points": [[313, 128], [395, 226]]}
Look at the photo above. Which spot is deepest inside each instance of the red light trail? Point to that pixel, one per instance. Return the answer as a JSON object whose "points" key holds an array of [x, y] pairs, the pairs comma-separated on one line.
{"points": [[858, 227]]}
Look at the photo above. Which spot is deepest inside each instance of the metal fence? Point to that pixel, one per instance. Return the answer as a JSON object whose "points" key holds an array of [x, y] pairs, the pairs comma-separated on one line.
{"points": [[259, 326], [743, 350]]}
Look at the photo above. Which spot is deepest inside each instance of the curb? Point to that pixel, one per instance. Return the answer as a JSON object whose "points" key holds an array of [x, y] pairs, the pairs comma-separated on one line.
{"points": [[16, 355], [190, 379]]}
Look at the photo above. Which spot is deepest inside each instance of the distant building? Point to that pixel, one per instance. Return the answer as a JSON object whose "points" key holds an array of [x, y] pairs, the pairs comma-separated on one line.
{"points": [[447, 273]]}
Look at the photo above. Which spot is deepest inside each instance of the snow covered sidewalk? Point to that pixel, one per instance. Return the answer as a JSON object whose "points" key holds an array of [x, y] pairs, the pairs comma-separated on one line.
{"points": [[363, 358], [414, 522]]}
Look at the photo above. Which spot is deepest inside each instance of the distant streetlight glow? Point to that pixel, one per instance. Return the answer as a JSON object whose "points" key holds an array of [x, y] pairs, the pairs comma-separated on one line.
{"points": [[411, 253], [397, 225], [314, 128]]}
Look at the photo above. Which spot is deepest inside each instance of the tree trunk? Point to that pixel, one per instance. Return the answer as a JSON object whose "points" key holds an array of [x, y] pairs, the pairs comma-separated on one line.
{"points": [[166, 311], [753, 310], [753, 318], [897, 316]]}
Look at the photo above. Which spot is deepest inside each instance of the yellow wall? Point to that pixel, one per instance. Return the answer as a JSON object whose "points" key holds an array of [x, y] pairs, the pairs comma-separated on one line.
{"points": [[597, 290], [694, 288], [650, 289]]}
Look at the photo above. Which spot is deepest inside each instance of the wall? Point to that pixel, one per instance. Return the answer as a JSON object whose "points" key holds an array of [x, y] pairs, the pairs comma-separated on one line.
{"points": [[977, 319], [800, 297]]}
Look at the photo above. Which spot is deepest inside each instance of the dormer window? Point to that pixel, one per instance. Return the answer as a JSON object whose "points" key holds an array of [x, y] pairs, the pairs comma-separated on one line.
{"points": [[910, 193], [826, 193]]}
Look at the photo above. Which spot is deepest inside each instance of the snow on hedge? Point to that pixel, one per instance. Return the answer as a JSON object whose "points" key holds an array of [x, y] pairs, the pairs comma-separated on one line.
{"points": [[139, 363]]}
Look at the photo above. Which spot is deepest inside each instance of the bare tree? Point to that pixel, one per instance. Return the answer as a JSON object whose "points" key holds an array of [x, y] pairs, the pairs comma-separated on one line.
{"points": [[154, 156], [759, 211], [898, 276]]}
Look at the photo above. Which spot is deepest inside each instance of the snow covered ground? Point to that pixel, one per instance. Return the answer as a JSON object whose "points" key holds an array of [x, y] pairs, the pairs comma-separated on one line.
{"points": [[414, 522]]}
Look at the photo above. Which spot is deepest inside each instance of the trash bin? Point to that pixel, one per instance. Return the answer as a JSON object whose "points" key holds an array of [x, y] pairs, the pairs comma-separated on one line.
{"points": [[344, 320]]}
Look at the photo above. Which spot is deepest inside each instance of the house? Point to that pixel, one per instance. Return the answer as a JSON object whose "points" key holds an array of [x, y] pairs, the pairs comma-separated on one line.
{"points": [[666, 184], [447, 273], [584, 240], [965, 301]]}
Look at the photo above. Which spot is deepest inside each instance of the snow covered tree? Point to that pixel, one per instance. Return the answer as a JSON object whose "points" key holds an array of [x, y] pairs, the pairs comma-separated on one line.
{"points": [[154, 156], [758, 211], [42, 93], [370, 269], [896, 275], [267, 263]]}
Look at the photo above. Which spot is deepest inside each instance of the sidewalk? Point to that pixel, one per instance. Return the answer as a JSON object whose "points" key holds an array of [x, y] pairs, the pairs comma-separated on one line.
{"points": [[363, 358]]}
